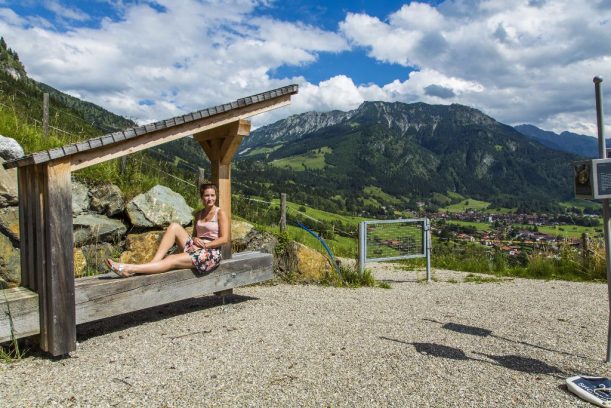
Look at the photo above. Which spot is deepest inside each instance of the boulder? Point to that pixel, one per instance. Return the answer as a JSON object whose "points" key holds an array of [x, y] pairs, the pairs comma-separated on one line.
{"points": [[141, 248], [8, 186], [106, 199], [240, 229], [159, 207], [80, 262], [96, 254], [10, 262], [90, 228], [9, 223], [80, 198], [10, 149], [255, 241], [301, 263]]}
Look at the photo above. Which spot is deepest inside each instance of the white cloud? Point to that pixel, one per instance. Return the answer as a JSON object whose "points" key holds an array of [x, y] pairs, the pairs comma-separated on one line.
{"points": [[521, 61]]}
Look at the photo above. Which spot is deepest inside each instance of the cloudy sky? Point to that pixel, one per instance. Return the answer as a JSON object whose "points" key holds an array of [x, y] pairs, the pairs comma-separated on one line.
{"points": [[519, 61]]}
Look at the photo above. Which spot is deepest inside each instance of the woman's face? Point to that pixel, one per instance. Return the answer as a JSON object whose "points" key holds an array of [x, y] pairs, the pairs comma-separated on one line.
{"points": [[209, 197]]}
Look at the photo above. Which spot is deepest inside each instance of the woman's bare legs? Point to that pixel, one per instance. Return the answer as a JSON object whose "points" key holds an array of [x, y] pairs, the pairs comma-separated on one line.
{"points": [[170, 262], [175, 234]]}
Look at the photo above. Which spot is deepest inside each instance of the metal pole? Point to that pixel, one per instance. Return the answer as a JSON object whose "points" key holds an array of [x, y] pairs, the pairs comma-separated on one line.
{"points": [[427, 248], [602, 150], [282, 212], [362, 246], [45, 114]]}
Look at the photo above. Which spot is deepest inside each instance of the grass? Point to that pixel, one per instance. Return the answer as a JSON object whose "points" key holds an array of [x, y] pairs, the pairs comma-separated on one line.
{"points": [[351, 278], [314, 159], [465, 204], [340, 246], [13, 351], [470, 278], [377, 193]]}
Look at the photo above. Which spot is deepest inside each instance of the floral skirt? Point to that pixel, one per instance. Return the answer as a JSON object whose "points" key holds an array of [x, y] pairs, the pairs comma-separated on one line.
{"points": [[204, 260]]}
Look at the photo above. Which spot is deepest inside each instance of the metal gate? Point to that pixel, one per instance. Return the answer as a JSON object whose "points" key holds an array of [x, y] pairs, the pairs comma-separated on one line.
{"points": [[389, 240]]}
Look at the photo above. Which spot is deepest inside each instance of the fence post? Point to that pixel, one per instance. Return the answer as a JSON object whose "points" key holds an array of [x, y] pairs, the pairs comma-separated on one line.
{"points": [[123, 165], [362, 246], [45, 114], [201, 179], [427, 241], [282, 212]]}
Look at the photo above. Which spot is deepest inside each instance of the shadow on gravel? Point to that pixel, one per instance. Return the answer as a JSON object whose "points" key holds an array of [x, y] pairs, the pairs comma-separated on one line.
{"points": [[109, 325], [480, 332], [512, 362]]}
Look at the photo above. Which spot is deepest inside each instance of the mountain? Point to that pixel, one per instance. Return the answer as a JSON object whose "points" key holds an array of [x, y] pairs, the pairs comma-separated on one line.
{"points": [[580, 145], [397, 154]]}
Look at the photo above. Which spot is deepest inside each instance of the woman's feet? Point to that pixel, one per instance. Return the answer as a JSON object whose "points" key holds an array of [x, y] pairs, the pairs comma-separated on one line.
{"points": [[118, 268]]}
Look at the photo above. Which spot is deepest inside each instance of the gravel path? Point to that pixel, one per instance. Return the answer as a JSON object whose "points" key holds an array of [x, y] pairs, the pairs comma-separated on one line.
{"points": [[448, 343]]}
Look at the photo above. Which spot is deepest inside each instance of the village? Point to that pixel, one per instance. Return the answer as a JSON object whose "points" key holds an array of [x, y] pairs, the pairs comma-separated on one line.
{"points": [[512, 233]]}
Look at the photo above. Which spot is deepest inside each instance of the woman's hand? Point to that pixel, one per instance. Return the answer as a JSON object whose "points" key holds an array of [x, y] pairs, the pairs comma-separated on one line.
{"points": [[201, 243]]}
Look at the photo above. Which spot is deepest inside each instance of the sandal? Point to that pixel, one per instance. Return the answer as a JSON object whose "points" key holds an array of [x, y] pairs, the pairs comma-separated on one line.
{"points": [[117, 268]]}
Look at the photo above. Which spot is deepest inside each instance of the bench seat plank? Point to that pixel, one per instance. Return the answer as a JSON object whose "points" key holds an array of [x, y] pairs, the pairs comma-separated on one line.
{"points": [[102, 296]]}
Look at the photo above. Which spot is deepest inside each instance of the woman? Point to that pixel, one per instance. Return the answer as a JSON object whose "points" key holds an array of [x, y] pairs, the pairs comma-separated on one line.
{"points": [[200, 251]]}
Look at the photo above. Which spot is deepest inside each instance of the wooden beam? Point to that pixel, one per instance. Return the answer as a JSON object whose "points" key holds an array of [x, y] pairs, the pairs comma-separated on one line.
{"points": [[221, 176], [88, 158], [99, 297], [56, 294], [238, 127]]}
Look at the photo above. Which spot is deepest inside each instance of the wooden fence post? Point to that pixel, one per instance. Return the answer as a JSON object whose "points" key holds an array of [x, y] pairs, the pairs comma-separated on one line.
{"points": [[201, 179], [282, 212], [45, 114], [123, 165]]}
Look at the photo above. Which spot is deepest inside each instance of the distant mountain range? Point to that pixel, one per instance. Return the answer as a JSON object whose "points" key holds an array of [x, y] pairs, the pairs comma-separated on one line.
{"points": [[580, 145], [397, 153]]}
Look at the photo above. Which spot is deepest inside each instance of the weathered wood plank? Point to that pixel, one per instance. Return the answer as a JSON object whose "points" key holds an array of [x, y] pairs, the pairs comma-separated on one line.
{"points": [[26, 217], [103, 296], [58, 316], [19, 307]]}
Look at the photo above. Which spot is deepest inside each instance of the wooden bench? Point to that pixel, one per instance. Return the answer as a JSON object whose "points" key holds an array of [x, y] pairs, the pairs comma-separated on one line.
{"points": [[102, 296]]}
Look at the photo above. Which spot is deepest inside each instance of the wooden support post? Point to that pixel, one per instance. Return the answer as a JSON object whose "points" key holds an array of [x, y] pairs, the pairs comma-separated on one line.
{"points": [[56, 289], [221, 176], [282, 212], [45, 114]]}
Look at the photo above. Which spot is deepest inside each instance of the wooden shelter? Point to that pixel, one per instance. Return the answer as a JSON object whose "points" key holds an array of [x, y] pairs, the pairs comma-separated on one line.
{"points": [[50, 301]]}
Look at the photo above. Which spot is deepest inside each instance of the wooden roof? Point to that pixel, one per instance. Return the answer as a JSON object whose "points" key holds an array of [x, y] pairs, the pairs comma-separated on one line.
{"points": [[128, 141]]}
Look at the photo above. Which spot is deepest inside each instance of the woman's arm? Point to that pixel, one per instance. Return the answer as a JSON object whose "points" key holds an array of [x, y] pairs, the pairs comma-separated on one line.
{"points": [[194, 233], [224, 229]]}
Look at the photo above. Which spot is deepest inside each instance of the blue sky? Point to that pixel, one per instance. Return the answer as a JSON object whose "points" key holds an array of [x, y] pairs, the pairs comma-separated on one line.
{"points": [[525, 61]]}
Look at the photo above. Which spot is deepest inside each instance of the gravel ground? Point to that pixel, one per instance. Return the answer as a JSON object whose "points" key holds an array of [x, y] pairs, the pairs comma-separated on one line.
{"points": [[449, 343]]}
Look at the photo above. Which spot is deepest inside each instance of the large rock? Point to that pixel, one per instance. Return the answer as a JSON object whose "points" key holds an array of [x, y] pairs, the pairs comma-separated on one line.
{"points": [[301, 263], [106, 199], [80, 198], [141, 248], [255, 241], [80, 262], [159, 207], [90, 228], [10, 262], [10, 149], [8, 186], [9, 223]]}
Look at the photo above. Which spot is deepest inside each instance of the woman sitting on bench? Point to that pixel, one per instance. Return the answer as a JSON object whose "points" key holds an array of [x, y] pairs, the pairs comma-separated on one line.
{"points": [[200, 251]]}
